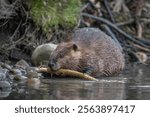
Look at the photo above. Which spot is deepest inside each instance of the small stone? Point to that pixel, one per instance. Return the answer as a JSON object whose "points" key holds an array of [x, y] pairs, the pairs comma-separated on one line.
{"points": [[142, 57], [2, 74], [5, 88], [20, 78], [32, 74], [4, 85], [22, 63], [17, 71]]}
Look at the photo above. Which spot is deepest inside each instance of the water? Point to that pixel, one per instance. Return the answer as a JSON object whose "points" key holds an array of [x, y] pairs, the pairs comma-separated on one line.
{"points": [[133, 84]]}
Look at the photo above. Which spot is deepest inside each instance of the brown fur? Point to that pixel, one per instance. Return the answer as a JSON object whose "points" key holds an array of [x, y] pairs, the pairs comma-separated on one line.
{"points": [[89, 48]]}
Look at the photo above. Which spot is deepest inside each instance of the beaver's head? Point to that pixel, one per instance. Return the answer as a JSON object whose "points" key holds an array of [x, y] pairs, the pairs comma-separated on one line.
{"points": [[65, 56]]}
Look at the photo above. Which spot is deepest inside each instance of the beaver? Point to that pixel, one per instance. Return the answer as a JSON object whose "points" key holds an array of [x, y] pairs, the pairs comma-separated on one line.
{"points": [[90, 51]]}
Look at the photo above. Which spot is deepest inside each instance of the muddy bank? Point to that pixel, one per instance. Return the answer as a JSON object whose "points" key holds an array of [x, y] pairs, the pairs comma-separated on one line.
{"points": [[21, 32]]}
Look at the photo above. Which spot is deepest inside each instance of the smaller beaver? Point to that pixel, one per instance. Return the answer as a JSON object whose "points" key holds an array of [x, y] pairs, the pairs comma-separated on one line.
{"points": [[90, 51]]}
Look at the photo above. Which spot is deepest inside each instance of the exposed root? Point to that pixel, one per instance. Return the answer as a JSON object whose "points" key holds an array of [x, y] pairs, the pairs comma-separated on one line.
{"points": [[109, 11], [120, 4], [7, 9], [67, 72], [129, 37]]}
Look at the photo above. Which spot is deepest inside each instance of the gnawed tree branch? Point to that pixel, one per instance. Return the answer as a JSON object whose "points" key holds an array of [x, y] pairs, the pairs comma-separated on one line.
{"points": [[67, 72]]}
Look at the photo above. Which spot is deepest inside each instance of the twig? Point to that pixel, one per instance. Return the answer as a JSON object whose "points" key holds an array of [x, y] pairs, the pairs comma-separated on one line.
{"points": [[144, 41], [141, 48], [84, 7], [125, 23], [7, 20], [116, 28], [67, 72], [7, 10], [144, 20], [15, 32], [109, 11]]}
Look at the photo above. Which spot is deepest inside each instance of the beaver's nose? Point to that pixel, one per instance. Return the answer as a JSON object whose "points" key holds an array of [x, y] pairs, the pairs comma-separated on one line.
{"points": [[53, 65]]}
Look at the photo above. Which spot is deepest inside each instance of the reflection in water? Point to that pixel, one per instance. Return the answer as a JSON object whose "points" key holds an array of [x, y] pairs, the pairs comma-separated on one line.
{"points": [[87, 90], [139, 83], [72, 89], [134, 84]]}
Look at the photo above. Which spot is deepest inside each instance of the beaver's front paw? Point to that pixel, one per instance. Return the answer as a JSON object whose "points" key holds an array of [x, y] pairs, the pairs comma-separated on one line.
{"points": [[88, 70]]}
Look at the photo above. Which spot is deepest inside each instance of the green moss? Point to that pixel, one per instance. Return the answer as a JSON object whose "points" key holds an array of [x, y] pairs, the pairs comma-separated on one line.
{"points": [[55, 12], [70, 13]]}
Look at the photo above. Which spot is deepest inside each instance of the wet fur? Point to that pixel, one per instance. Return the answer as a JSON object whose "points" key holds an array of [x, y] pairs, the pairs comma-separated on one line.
{"points": [[92, 49]]}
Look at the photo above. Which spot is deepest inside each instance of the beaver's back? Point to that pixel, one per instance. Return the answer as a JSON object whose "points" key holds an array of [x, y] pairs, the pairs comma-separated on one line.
{"points": [[92, 37], [105, 49]]}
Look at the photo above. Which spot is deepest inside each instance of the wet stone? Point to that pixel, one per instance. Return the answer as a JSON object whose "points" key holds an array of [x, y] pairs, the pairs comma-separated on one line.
{"points": [[5, 88], [20, 77], [17, 71], [22, 64], [32, 72], [5, 84], [3, 74]]}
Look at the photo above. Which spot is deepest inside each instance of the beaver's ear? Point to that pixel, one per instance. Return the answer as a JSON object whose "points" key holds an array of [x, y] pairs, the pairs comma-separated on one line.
{"points": [[75, 47]]}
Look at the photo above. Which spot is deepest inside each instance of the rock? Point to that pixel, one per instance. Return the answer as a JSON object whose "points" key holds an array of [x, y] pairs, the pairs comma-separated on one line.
{"points": [[142, 57], [20, 78], [22, 64], [3, 74], [5, 88], [31, 72], [42, 53], [17, 71]]}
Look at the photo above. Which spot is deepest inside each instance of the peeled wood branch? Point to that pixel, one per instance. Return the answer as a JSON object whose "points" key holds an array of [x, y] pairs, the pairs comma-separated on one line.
{"points": [[67, 72]]}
